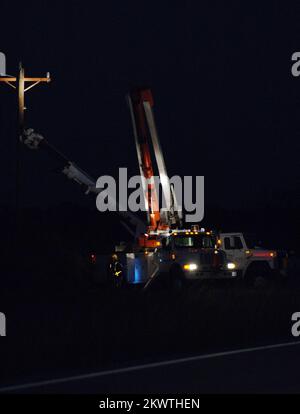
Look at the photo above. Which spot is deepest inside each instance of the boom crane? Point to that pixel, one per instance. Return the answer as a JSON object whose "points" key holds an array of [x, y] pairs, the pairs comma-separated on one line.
{"points": [[145, 133], [136, 104], [160, 220], [184, 254], [35, 141]]}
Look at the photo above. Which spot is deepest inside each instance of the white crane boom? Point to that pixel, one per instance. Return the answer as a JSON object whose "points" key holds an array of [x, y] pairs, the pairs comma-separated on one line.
{"points": [[34, 141]]}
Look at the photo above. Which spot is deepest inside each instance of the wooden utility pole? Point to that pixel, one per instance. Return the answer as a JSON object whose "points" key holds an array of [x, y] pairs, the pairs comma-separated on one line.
{"points": [[19, 83]]}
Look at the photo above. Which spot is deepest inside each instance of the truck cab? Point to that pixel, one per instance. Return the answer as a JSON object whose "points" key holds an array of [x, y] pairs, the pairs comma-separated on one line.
{"points": [[253, 263], [193, 255]]}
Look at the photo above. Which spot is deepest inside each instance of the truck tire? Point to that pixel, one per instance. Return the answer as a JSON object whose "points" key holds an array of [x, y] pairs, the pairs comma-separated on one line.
{"points": [[258, 275]]}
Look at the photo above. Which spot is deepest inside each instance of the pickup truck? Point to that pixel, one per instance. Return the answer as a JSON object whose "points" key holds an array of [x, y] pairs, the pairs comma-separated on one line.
{"points": [[255, 265]]}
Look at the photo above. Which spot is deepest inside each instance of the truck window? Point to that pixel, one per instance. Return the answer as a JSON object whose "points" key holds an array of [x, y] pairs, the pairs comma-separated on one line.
{"points": [[238, 243], [227, 243], [208, 243], [197, 242], [183, 242], [233, 243]]}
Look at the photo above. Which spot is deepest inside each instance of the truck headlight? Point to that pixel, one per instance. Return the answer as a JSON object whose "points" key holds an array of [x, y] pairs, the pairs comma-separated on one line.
{"points": [[190, 267], [231, 266]]}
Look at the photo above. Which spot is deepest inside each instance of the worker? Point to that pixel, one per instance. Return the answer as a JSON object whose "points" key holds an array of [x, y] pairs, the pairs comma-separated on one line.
{"points": [[116, 270]]}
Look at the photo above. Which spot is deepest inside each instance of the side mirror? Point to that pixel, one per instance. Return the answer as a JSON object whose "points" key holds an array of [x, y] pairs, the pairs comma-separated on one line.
{"points": [[2, 64]]}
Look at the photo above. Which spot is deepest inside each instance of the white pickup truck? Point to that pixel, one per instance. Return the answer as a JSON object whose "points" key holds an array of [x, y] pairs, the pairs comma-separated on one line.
{"points": [[254, 264]]}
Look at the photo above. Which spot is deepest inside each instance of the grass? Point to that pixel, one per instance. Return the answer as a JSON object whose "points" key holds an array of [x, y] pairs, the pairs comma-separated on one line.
{"points": [[56, 327]]}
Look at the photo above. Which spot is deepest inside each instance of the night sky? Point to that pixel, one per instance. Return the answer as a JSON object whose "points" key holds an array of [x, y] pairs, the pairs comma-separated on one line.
{"points": [[226, 104]]}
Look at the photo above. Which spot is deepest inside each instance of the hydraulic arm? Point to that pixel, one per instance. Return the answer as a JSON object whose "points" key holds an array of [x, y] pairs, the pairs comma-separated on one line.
{"points": [[35, 141], [145, 133]]}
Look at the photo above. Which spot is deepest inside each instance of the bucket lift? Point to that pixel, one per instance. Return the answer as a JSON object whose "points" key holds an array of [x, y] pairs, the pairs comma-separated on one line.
{"points": [[160, 220]]}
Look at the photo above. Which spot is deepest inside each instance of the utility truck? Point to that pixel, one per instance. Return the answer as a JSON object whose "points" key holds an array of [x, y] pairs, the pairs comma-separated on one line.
{"points": [[177, 253], [162, 246]]}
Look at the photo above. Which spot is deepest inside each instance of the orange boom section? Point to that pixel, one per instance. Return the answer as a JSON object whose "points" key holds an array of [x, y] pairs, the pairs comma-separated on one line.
{"points": [[138, 97]]}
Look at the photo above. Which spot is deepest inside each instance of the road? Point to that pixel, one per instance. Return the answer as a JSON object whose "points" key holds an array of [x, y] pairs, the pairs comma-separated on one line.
{"points": [[268, 369]]}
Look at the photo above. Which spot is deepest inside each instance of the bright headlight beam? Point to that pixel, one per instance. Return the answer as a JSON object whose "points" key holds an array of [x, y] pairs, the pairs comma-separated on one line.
{"points": [[190, 267]]}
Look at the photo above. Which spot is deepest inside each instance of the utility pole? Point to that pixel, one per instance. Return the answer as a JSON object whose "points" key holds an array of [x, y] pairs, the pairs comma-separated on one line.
{"points": [[19, 83]]}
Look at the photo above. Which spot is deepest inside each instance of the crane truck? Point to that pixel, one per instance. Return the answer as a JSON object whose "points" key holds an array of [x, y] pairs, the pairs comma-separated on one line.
{"points": [[162, 246], [182, 254]]}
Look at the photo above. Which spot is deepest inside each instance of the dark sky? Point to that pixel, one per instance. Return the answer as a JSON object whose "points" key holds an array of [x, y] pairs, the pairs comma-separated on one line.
{"points": [[226, 104]]}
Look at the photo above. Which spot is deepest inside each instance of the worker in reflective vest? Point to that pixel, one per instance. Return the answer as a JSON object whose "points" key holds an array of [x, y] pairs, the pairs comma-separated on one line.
{"points": [[116, 270]]}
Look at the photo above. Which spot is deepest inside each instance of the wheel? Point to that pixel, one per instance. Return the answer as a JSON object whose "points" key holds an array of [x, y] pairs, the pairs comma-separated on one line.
{"points": [[258, 275], [260, 282]]}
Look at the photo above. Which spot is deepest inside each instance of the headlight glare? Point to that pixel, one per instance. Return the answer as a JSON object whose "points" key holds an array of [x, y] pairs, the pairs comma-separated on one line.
{"points": [[190, 266]]}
